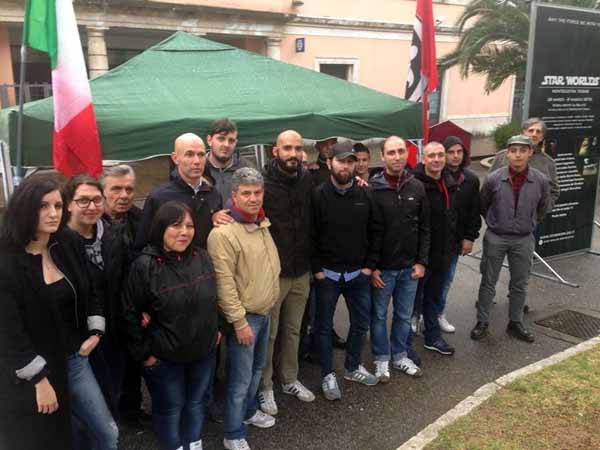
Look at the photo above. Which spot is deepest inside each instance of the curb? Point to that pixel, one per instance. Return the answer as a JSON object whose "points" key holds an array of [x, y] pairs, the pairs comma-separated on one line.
{"points": [[429, 433]]}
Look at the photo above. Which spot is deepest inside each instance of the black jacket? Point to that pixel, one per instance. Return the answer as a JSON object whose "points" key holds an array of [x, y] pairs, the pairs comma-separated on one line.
{"points": [[400, 229], [341, 229], [321, 174], [179, 292], [31, 327], [287, 204], [443, 218], [206, 202], [127, 229], [467, 205]]}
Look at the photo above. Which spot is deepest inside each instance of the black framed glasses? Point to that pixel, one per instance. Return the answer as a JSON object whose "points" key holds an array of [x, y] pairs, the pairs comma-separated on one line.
{"points": [[84, 202]]}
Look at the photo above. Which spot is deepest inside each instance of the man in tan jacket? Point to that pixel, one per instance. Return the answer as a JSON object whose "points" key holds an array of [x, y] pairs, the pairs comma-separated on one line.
{"points": [[247, 268]]}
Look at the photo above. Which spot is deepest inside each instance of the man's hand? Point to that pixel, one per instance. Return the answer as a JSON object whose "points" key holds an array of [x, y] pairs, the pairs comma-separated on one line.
{"points": [[45, 396], [222, 217], [245, 336], [146, 319], [418, 271], [376, 280], [361, 182], [88, 345], [467, 247], [366, 271], [150, 361], [319, 275]]}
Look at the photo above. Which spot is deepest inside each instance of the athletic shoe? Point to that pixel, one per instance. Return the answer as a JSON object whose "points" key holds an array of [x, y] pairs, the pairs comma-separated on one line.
{"points": [[196, 445], [266, 402], [330, 387], [417, 325], [382, 371], [414, 356], [407, 366], [298, 390], [446, 326], [236, 444], [362, 376], [440, 346], [260, 420]]}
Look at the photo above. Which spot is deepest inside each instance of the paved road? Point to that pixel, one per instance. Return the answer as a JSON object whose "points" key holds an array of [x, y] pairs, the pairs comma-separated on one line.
{"points": [[383, 417]]}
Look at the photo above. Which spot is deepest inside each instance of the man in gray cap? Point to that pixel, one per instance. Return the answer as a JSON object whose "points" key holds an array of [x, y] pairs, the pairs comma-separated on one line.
{"points": [[514, 200]]}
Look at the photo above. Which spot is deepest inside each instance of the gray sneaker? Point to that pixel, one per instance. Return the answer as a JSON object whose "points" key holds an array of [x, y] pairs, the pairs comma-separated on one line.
{"points": [[330, 387], [362, 376]]}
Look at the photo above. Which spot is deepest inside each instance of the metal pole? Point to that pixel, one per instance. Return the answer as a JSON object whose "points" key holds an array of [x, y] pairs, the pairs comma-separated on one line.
{"points": [[19, 172], [530, 49]]}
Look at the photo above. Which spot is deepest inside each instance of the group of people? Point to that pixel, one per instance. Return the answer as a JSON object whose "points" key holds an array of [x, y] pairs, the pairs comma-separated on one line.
{"points": [[97, 293]]}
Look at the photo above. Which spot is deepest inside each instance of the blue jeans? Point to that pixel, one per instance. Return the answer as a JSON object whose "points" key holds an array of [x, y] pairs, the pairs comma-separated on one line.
{"points": [[89, 413], [357, 294], [402, 289], [245, 364], [108, 362], [447, 283], [179, 394]]}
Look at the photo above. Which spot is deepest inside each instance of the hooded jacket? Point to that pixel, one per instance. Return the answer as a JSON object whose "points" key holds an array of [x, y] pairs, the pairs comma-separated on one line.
{"points": [[179, 292], [400, 224], [467, 196], [445, 240], [203, 204], [287, 204], [222, 177]]}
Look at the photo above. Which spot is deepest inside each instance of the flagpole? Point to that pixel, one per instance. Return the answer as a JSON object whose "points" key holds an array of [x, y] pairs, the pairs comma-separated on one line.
{"points": [[19, 172]]}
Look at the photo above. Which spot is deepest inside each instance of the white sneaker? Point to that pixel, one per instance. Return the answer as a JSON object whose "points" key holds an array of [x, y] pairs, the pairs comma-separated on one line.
{"points": [[236, 444], [298, 390], [407, 366], [266, 402], [260, 420], [446, 326], [196, 445], [382, 371], [330, 387], [414, 323], [417, 325]]}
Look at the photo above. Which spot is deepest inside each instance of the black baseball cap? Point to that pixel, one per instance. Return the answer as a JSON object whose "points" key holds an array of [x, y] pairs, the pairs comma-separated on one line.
{"points": [[343, 150]]}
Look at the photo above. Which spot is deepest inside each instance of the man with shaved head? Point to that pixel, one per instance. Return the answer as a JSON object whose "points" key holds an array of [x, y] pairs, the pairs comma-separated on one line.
{"points": [[188, 187], [287, 204]]}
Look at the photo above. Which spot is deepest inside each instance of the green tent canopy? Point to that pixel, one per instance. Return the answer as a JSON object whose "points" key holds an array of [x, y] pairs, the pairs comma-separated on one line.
{"points": [[185, 82]]}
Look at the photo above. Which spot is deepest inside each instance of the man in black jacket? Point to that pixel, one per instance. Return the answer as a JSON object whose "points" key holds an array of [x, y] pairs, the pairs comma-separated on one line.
{"points": [[441, 190], [320, 170], [341, 265], [287, 205], [469, 219], [189, 187], [400, 236]]}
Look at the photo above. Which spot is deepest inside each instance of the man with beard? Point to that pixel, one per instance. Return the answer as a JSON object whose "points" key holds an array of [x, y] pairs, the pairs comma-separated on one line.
{"points": [[400, 234], [287, 204], [222, 161], [320, 170], [440, 188], [340, 264]]}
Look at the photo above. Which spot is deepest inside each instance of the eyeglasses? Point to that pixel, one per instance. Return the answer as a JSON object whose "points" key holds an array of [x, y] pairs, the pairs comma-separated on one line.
{"points": [[84, 202]]}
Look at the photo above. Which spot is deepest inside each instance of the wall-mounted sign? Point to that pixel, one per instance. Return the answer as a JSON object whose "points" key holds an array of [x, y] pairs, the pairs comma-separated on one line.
{"points": [[300, 45]]}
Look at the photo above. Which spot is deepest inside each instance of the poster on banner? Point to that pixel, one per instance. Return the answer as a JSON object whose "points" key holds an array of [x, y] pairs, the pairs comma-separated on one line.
{"points": [[564, 91]]}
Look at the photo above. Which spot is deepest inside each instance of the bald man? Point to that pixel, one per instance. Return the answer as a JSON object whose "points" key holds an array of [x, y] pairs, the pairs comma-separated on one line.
{"points": [[287, 205], [188, 187]]}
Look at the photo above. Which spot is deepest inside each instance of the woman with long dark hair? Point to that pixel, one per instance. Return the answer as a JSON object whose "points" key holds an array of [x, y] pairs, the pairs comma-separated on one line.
{"points": [[174, 283], [48, 313]]}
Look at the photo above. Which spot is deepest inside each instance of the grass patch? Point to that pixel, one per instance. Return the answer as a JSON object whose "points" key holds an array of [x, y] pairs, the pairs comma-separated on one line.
{"points": [[557, 408]]}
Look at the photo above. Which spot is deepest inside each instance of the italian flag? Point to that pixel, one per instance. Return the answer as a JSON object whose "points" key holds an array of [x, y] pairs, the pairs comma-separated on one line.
{"points": [[50, 27]]}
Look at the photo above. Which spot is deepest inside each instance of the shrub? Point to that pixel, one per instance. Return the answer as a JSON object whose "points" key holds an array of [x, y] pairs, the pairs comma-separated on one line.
{"points": [[503, 132]]}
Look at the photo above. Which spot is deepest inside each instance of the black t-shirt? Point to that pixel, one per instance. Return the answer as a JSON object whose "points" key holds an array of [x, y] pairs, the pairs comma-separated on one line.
{"points": [[63, 298]]}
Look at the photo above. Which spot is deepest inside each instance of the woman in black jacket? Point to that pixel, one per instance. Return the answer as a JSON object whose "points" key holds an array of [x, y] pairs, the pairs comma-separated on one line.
{"points": [[49, 319], [174, 283]]}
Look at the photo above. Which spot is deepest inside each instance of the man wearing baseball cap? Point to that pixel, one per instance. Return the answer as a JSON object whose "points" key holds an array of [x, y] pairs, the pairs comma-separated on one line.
{"points": [[514, 200], [342, 263]]}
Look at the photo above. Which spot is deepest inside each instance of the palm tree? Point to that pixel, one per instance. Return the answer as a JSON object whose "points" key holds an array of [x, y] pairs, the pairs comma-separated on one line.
{"points": [[496, 43]]}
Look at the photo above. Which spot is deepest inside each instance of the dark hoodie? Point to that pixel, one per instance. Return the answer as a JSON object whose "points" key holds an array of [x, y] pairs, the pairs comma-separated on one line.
{"points": [[467, 203], [443, 217], [400, 223], [179, 292]]}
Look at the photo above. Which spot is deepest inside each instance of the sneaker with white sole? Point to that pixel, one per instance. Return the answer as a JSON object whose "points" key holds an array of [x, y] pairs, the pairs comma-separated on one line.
{"points": [[362, 376], [446, 326], [407, 366], [260, 420], [382, 371], [414, 323], [236, 444], [196, 445], [330, 387], [266, 402], [298, 390]]}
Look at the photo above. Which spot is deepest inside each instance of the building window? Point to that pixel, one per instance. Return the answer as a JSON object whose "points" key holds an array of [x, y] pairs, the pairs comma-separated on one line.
{"points": [[435, 101], [344, 68]]}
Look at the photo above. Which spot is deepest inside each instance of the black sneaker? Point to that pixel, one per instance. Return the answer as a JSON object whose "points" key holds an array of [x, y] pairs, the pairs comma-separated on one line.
{"points": [[440, 346], [516, 329], [480, 331]]}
